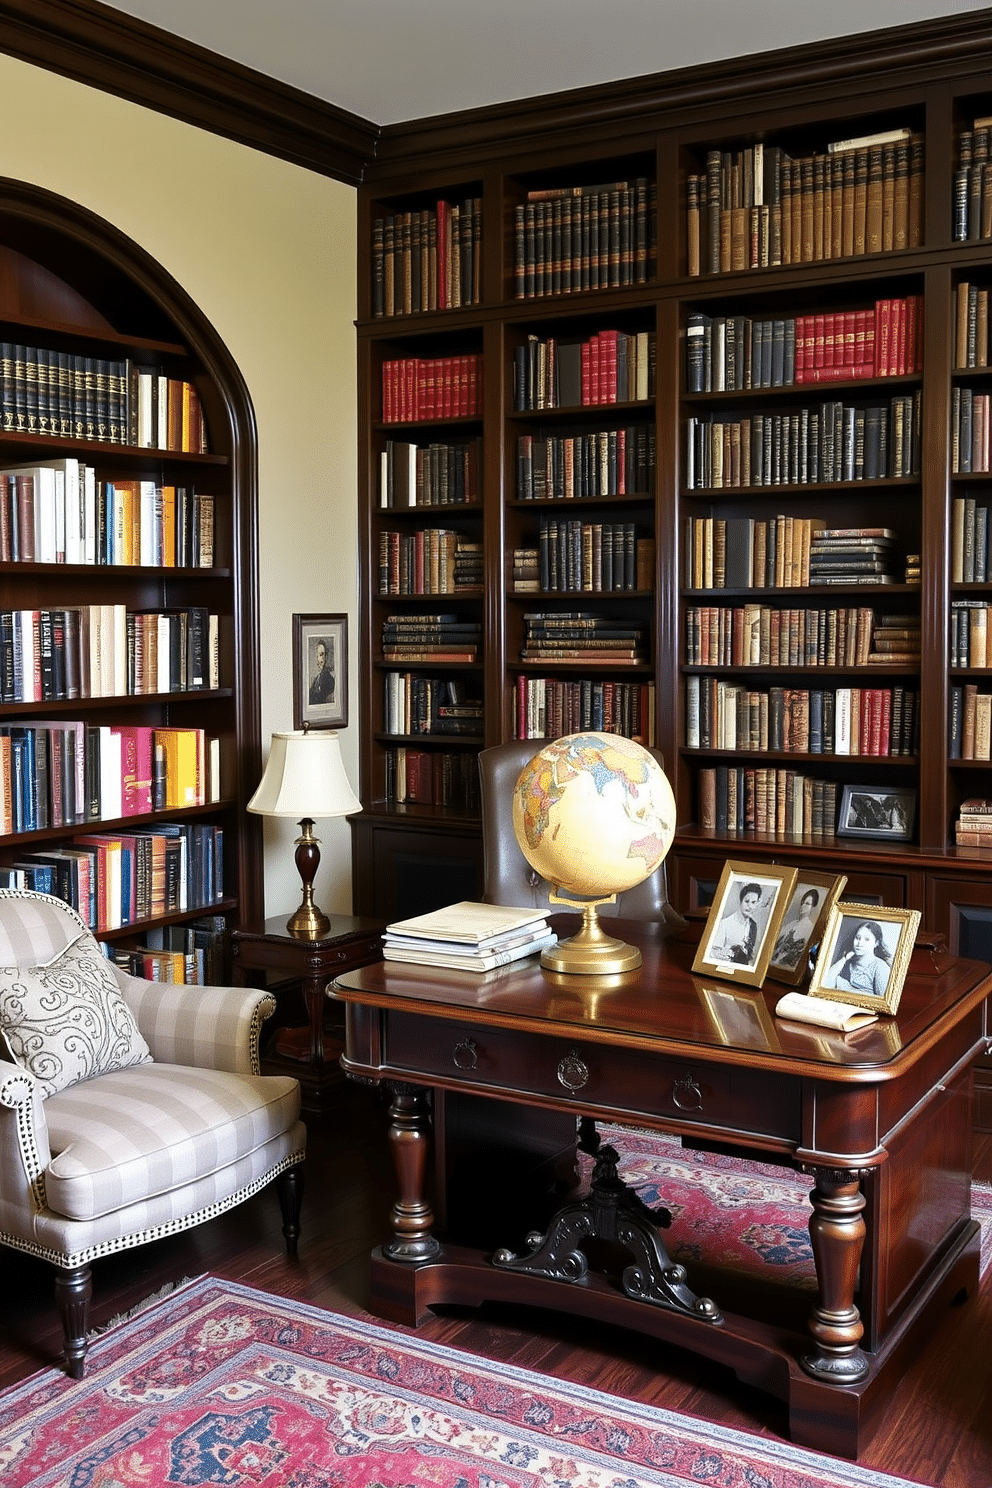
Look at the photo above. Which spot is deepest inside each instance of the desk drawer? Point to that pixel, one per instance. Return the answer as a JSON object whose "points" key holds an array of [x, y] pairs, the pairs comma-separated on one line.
{"points": [[590, 1076]]}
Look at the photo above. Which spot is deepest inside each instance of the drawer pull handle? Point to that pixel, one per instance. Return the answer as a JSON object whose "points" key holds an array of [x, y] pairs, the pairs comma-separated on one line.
{"points": [[687, 1095], [466, 1055], [573, 1072]]}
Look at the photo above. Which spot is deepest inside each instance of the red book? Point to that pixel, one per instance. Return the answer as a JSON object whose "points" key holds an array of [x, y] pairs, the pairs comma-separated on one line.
{"points": [[829, 339], [819, 341], [899, 338], [883, 336]]}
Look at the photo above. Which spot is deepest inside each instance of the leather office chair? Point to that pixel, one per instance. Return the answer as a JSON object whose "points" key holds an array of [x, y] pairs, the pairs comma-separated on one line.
{"points": [[507, 876], [129, 1109]]}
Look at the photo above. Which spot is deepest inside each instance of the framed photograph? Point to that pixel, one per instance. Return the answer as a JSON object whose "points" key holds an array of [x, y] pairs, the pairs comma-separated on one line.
{"points": [[744, 921], [803, 922], [888, 815], [864, 956], [320, 671], [740, 1019]]}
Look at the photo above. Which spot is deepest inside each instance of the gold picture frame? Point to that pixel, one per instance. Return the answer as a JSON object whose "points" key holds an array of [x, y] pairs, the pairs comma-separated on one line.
{"points": [[849, 969], [743, 921], [803, 923]]}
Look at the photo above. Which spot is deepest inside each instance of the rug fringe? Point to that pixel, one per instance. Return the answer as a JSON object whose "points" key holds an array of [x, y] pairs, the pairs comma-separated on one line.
{"points": [[169, 1290]]}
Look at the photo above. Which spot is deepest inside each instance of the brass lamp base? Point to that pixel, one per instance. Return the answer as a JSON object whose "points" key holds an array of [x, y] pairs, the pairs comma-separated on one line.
{"points": [[309, 922], [590, 952]]}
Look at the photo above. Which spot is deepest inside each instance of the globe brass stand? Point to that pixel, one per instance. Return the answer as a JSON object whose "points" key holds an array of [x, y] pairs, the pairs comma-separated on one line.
{"points": [[590, 952]]}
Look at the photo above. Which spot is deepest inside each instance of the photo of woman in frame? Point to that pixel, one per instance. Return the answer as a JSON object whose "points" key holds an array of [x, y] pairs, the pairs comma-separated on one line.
{"points": [[802, 924], [864, 956], [743, 921]]}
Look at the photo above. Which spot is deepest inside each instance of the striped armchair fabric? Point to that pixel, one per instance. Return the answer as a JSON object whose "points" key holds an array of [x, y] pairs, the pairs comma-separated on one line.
{"points": [[126, 1156]]}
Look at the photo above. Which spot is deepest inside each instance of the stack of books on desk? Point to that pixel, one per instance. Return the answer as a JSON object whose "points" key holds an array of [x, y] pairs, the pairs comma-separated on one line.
{"points": [[468, 936]]}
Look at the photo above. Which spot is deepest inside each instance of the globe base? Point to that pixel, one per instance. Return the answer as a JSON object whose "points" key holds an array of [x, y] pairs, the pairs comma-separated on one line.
{"points": [[590, 952]]}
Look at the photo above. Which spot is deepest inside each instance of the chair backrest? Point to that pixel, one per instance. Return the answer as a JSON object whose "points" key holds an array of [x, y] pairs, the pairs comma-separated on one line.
{"points": [[35, 927], [508, 877]]}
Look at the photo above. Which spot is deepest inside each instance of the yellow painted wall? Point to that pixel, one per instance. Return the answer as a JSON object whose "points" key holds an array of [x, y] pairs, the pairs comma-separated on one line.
{"points": [[267, 251]]}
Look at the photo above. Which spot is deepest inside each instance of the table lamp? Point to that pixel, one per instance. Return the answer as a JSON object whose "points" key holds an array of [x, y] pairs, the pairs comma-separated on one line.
{"points": [[304, 778]]}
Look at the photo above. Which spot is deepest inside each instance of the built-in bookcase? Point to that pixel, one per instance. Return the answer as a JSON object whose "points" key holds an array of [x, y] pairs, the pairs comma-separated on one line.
{"points": [[129, 731], [813, 300]]}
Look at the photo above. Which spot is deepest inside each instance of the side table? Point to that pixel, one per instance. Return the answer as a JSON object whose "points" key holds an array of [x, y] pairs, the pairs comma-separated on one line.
{"points": [[266, 946]]}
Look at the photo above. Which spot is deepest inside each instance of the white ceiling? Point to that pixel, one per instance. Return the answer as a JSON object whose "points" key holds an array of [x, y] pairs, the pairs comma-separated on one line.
{"points": [[393, 60]]}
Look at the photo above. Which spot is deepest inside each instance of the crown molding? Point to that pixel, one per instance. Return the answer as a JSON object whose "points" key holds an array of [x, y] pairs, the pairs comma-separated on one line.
{"points": [[104, 48], [608, 113]]}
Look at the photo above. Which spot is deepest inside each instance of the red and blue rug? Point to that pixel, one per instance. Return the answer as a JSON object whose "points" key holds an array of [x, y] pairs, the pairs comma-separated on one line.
{"points": [[219, 1384], [769, 1236]]}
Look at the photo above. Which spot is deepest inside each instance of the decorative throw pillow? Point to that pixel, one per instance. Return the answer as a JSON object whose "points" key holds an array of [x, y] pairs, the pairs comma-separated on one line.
{"points": [[67, 1020]]}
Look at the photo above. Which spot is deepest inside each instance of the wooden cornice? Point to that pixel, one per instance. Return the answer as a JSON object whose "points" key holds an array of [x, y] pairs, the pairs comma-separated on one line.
{"points": [[100, 46], [606, 112]]}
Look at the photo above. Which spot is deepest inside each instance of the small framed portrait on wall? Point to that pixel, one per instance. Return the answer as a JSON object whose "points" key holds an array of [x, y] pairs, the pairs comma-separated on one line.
{"points": [[320, 671], [743, 921]]}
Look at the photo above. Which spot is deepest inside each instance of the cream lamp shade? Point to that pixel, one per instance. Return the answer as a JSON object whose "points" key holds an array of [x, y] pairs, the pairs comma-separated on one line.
{"points": [[305, 778]]}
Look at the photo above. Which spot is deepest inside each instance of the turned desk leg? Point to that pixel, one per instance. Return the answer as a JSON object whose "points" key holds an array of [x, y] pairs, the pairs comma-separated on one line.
{"points": [[314, 997], [837, 1232], [410, 1144]]}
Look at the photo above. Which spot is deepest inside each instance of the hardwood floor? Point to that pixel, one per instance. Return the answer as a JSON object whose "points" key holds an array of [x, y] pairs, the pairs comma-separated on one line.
{"points": [[937, 1429]]}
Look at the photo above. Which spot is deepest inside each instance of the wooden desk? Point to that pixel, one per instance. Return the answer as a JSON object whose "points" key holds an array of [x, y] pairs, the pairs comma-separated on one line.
{"points": [[880, 1120]]}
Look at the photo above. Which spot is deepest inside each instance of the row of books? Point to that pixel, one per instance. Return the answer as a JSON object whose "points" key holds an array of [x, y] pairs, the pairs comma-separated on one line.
{"points": [[58, 512], [734, 353], [88, 651], [969, 541], [416, 704], [193, 953], [973, 827], [971, 326], [427, 260], [469, 937], [416, 389], [609, 367], [970, 431], [576, 556], [833, 442], [869, 721], [602, 462], [747, 553], [114, 879], [783, 803], [758, 207], [432, 560], [573, 238], [971, 623], [764, 635], [433, 778], [970, 731], [972, 211], [436, 474], [550, 707], [582, 636], [70, 772], [63, 395], [443, 637]]}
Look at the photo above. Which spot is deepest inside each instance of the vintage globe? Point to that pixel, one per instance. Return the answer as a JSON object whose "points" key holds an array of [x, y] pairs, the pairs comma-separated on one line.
{"points": [[595, 815]]}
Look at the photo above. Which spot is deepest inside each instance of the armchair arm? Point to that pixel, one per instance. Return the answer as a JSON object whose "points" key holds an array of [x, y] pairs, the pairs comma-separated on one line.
{"points": [[24, 1148], [203, 1027]]}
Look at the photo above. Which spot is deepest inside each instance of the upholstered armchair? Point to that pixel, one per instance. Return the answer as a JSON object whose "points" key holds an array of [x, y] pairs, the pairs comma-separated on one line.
{"points": [[129, 1109], [507, 876]]}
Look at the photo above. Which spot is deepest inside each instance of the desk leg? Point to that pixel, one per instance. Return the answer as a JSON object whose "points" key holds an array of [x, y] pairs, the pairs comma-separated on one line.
{"points": [[837, 1232], [410, 1144], [314, 993]]}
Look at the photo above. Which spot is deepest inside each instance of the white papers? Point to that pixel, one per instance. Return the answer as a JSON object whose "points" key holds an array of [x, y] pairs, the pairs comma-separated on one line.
{"points": [[824, 1013], [468, 923]]}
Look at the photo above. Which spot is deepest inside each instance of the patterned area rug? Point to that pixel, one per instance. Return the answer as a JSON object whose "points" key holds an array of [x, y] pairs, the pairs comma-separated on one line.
{"points": [[771, 1237], [219, 1384]]}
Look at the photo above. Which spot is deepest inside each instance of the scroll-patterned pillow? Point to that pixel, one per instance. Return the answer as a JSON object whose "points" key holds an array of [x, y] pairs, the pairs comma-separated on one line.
{"points": [[66, 1021]]}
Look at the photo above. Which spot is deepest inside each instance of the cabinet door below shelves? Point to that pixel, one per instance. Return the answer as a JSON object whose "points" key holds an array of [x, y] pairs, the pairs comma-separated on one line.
{"points": [[402, 870], [962, 910]]}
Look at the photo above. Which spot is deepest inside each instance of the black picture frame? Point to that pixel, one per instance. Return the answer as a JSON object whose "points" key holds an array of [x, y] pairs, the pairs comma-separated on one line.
{"points": [[320, 691], [883, 813]]}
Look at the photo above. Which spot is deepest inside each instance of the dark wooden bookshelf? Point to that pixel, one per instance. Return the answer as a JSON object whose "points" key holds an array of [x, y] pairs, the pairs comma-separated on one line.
{"points": [[71, 281]]}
